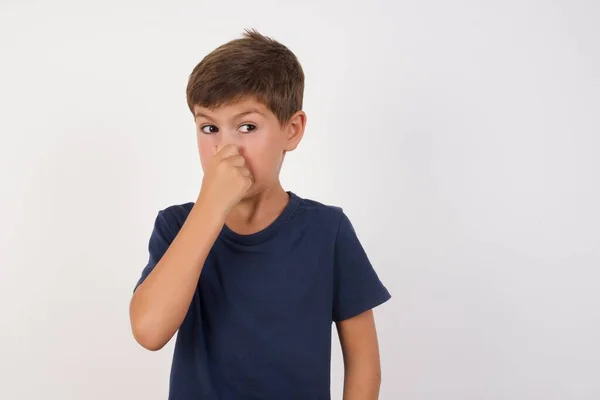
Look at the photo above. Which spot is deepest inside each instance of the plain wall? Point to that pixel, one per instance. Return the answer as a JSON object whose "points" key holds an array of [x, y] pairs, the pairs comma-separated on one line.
{"points": [[462, 139]]}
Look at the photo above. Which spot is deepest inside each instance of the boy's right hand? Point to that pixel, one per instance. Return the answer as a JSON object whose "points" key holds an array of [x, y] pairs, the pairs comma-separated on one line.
{"points": [[226, 180], [161, 302]]}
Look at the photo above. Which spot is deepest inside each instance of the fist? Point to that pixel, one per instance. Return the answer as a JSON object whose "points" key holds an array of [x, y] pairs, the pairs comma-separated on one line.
{"points": [[226, 180]]}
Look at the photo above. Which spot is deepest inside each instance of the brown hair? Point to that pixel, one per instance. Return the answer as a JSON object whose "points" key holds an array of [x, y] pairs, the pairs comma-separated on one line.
{"points": [[252, 66]]}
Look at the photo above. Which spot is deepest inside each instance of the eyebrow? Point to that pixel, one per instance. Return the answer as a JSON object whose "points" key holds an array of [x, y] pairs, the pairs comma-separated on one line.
{"points": [[239, 115]]}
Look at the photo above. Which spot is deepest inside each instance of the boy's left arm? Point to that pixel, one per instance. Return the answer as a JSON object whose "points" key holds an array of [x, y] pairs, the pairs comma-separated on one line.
{"points": [[360, 348]]}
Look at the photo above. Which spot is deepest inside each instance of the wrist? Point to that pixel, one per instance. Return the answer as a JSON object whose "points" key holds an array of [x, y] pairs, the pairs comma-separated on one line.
{"points": [[208, 213]]}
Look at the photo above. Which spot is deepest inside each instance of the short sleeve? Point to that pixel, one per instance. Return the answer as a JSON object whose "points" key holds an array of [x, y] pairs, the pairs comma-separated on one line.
{"points": [[357, 287], [160, 240]]}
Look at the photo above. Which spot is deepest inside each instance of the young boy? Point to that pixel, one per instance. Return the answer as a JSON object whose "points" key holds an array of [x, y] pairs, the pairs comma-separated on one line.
{"points": [[250, 276]]}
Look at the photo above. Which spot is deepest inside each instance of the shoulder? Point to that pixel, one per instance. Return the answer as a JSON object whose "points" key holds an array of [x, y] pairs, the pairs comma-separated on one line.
{"points": [[311, 208], [171, 218], [324, 215], [332, 220]]}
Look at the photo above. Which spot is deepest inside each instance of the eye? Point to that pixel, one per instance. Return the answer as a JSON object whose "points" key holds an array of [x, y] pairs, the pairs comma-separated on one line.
{"points": [[249, 128], [209, 129]]}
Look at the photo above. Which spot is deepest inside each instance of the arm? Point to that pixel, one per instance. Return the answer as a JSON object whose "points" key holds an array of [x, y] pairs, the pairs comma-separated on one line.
{"points": [[362, 370], [161, 302], [159, 305]]}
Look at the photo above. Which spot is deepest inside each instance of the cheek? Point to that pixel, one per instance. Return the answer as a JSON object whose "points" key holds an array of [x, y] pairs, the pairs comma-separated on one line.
{"points": [[205, 150], [263, 158]]}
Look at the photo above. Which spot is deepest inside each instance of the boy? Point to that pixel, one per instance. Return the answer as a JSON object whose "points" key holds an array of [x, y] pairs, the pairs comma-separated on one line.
{"points": [[251, 277]]}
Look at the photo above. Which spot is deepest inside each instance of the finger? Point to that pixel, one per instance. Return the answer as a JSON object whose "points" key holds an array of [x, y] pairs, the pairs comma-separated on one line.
{"points": [[236, 161], [228, 151], [249, 181], [244, 172]]}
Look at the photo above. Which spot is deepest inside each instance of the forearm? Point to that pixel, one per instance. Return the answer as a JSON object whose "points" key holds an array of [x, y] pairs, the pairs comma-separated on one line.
{"points": [[362, 381], [160, 303]]}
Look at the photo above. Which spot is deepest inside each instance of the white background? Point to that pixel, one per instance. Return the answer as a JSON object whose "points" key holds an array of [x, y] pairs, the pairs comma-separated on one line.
{"points": [[462, 139]]}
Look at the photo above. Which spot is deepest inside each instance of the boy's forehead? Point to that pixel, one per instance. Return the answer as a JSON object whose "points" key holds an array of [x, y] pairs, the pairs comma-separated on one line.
{"points": [[232, 108]]}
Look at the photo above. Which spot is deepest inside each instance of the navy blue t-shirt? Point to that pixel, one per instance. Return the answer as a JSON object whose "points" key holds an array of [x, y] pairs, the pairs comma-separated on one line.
{"points": [[260, 322]]}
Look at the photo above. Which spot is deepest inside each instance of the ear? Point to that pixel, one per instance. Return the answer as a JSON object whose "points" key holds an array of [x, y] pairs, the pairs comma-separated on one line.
{"points": [[295, 130]]}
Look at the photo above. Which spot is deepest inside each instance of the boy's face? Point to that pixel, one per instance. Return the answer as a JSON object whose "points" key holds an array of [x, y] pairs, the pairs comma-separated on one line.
{"points": [[255, 130]]}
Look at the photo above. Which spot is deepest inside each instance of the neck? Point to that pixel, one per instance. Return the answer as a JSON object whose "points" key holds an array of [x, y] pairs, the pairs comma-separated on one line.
{"points": [[257, 212]]}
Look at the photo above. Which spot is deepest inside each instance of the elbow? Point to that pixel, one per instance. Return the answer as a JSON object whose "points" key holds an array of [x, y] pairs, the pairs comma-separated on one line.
{"points": [[377, 381], [148, 339], [375, 378], [363, 380], [146, 332]]}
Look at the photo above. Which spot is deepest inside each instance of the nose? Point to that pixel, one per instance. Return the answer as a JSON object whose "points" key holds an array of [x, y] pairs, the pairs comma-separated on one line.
{"points": [[226, 139]]}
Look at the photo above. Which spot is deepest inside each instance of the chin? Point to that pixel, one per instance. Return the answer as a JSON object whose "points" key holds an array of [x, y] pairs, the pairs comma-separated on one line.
{"points": [[253, 191]]}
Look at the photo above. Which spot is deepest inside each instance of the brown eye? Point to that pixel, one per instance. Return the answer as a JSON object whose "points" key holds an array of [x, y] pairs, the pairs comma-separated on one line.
{"points": [[209, 129], [249, 128]]}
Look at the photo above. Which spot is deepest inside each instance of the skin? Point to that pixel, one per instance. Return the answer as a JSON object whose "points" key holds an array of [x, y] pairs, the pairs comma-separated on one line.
{"points": [[360, 348], [242, 147]]}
